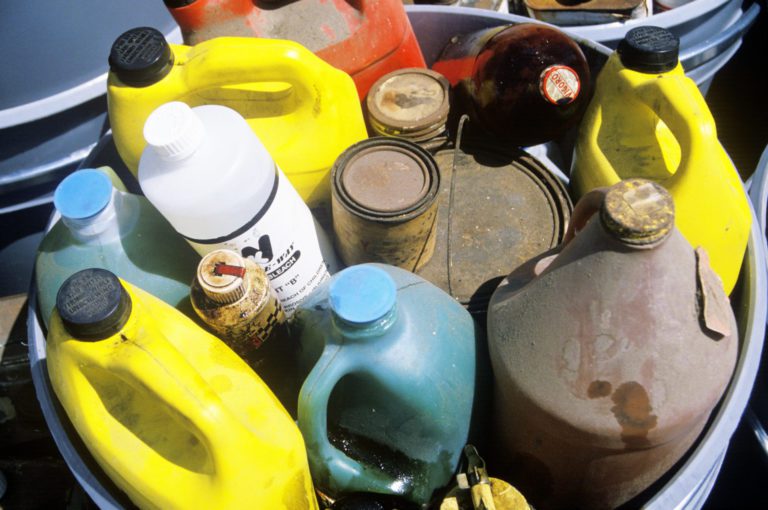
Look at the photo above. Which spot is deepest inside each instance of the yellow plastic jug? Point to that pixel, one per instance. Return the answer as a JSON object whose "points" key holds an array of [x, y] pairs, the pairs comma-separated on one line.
{"points": [[171, 414], [647, 119], [305, 111]]}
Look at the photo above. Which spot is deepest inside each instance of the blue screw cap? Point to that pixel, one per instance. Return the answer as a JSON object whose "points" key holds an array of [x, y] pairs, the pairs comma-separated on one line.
{"points": [[82, 194], [362, 294]]}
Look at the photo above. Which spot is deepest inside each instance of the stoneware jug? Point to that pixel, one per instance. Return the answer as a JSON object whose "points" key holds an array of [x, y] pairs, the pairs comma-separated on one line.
{"points": [[609, 356]]}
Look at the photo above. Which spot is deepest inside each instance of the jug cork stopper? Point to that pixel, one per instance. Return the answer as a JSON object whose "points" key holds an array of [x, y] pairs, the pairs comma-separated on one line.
{"points": [[221, 275], [93, 304], [638, 212]]}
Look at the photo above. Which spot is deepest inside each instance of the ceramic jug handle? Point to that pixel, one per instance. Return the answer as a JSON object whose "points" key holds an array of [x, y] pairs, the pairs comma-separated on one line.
{"points": [[256, 60], [155, 365], [584, 209], [348, 473]]}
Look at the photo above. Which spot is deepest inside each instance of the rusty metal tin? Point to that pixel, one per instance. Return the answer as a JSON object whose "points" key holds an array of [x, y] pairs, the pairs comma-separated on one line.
{"points": [[409, 103], [232, 295], [587, 12], [384, 203], [507, 208]]}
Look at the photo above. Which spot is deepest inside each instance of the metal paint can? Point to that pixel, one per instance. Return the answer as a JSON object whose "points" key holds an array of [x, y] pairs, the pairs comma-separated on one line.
{"points": [[506, 207], [384, 203], [410, 103], [589, 12]]}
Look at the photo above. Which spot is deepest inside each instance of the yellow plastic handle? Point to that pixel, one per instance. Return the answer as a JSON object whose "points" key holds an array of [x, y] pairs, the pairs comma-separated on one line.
{"points": [[677, 101], [233, 60], [154, 364]]}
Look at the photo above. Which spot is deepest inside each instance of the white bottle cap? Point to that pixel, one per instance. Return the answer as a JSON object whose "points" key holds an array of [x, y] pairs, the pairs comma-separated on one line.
{"points": [[174, 131]]}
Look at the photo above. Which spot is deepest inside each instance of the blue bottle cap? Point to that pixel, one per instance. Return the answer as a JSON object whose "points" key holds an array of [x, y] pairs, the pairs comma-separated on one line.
{"points": [[362, 294], [82, 194]]}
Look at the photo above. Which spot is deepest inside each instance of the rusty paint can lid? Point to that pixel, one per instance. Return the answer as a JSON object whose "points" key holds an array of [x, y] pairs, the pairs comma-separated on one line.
{"points": [[411, 103], [385, 177], [638, 212], [93, 304], [507, 207], [221, 275]]}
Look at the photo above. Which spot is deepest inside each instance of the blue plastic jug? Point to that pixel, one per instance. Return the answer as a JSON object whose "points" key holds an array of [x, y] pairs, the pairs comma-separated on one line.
{"points": [[387, 405], [103, 227]]}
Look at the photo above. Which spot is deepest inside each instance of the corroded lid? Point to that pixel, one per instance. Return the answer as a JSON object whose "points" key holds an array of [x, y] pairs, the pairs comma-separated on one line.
{"points": [[385, 177], [221, 275], [506, 208], [638, 212], [412, 103]]}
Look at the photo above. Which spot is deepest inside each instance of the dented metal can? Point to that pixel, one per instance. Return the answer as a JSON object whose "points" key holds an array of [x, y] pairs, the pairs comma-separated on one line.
{"points": [[412, 104], [384, 203], [232, 295], [485, 231]]}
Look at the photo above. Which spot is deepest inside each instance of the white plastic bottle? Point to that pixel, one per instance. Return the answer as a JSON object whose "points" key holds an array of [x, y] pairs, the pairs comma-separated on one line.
{"points": [[211, 177]]}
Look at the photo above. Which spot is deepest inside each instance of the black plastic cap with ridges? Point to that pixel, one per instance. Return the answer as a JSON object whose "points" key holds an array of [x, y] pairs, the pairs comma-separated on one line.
{"points": [[93, 305], [141, 56], [649, 49], [172, 4]]}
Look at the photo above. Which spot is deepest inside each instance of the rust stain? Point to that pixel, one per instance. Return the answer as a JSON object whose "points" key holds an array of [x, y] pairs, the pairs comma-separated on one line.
{"points": [[598, 389], [632, 410]]}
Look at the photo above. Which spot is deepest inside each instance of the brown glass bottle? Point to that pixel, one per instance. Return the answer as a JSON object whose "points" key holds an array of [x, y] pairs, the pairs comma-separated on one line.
{"points": [[525, 84]]}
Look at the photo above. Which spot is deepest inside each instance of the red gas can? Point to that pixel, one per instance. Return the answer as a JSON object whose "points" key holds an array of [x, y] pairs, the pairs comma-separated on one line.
{"points": [[365, 38]]}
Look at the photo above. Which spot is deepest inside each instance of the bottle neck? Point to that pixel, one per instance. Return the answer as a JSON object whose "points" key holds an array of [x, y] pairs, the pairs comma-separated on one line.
{"points": [[102, 226], [365, 330]]}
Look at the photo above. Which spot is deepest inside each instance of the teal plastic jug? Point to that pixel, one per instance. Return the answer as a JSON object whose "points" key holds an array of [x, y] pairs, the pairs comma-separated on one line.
{"points": [[387, 405], [105, 228]]}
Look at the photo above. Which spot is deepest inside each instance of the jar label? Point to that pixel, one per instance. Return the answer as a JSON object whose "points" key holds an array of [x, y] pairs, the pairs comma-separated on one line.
{"points": [[560, 85], [282, 239]]}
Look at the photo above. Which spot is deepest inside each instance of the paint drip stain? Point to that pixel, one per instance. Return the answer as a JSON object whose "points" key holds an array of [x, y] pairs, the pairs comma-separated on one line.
{"points": [[632, 410], [599, 389]]}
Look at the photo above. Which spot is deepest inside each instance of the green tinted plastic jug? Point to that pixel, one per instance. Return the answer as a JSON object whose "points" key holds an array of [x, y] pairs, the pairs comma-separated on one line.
{"points": [[106, 228], [387, 405]]}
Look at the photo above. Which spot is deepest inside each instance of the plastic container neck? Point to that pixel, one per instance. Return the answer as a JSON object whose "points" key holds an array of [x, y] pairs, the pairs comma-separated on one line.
{"points": [[102, 226], [366, 330]]}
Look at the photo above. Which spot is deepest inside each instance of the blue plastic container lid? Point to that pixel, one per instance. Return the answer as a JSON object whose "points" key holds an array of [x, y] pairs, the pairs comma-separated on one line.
{"points": [[83, 194], [362, 294]]}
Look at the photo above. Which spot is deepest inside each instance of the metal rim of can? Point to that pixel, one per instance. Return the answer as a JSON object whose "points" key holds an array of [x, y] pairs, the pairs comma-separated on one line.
{"points": [[424, 135], [420, 155], [423, 129]]}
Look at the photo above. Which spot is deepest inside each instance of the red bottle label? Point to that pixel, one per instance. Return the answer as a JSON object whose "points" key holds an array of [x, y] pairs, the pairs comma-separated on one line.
{"points": [[559, 85]]}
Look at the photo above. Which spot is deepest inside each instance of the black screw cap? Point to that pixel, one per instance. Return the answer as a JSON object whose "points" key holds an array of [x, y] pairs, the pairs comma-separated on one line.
{"points": [[178, 3], [141, 56], [649, 49], [93, 304]]}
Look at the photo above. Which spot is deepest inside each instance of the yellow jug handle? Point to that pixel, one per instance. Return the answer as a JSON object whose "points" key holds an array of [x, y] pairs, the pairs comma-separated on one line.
{"points": [[677, 101], [256, 60], [175, 383], [313, 422]]}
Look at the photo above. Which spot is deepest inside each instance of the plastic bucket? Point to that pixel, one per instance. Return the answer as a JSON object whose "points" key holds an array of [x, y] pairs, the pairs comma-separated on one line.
{"points": [[53, 105], [685, 486]]}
